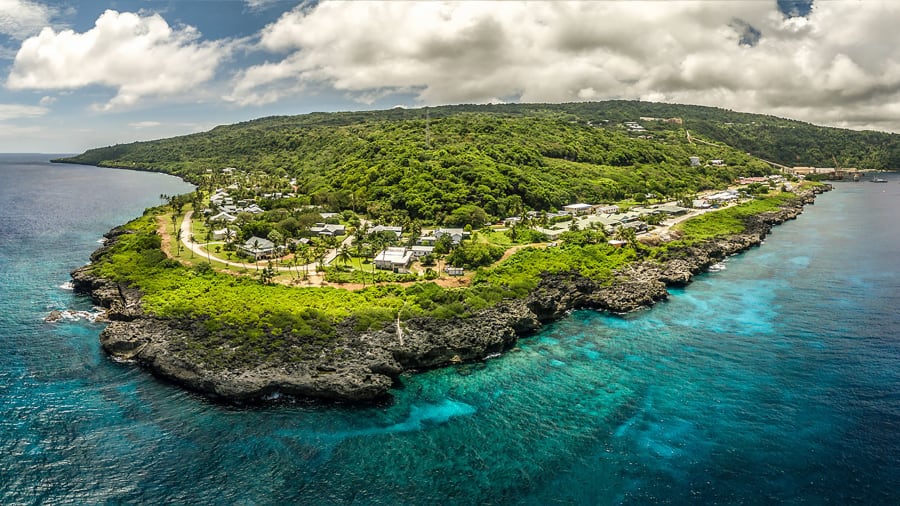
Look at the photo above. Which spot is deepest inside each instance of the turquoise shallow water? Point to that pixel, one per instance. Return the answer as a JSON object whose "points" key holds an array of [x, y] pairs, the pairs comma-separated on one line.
{"points": [[776, 380]]}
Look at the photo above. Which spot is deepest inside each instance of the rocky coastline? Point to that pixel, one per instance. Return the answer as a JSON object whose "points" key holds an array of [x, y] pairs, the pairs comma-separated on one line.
{"points": [[362, 367]]}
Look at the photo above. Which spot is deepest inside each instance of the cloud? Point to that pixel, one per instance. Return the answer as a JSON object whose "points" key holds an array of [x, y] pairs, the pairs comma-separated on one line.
{"points": [[21, 18], [144, 124], [16, 111], [260, 4], [137, 55], [745, 55]]}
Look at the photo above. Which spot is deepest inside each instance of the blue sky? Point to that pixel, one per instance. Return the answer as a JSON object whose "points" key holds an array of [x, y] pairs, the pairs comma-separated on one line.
{"points": [[81, 74]]}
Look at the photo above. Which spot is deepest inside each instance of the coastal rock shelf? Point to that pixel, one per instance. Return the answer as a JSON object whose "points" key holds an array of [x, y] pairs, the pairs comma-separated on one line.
{"points": [[363, 366]]}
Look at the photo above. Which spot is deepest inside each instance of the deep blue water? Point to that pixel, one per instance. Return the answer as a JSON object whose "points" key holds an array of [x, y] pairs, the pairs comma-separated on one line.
{"points": [[776, 380]]}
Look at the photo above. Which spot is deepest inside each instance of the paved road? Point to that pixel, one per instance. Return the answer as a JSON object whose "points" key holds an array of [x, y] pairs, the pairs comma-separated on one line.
{"points": [[186, 232]]}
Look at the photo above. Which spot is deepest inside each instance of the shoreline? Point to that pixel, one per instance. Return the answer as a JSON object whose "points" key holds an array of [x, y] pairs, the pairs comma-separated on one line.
{"points": [[362, 367]]}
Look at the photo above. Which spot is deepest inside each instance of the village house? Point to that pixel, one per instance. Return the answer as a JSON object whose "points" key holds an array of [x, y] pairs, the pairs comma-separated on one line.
{"points": [[328, 229], [258, 248], [454, 271], [395, 259], [457, 235], [219, 197], [222, 233], [578, 209], [552, 233], [671, 209], [722, 197], [398, 231], [419, 251], [223, 216]]}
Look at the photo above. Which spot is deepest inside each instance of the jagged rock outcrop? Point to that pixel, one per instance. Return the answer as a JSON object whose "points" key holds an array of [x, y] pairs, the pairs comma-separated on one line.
{"points": [[358, 367]]}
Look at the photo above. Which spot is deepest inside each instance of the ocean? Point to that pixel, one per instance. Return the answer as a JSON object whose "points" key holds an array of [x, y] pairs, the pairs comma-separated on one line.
{"points": [[774, 380]]}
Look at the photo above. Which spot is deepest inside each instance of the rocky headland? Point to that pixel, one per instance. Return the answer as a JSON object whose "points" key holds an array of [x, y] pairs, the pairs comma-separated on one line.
{"points": [[363, 366]]}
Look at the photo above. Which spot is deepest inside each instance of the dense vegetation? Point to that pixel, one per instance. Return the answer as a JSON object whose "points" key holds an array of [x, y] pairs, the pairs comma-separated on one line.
{"points": [[235, 320], [459, 166], [425, 163], [448, 165]]}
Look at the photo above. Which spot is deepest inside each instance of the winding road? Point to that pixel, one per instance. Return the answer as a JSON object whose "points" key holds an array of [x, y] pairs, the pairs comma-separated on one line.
{"points": [[187, 232]]}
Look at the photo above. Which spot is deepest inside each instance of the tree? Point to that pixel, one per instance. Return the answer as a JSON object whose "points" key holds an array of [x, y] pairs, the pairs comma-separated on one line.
{"points": [[178, 242], [343, 255], [443, 245], [268, 274], [193, 242], [626, 234], [467, 214], [255, 251], [277, 239], [305, 257], [209, 236]]}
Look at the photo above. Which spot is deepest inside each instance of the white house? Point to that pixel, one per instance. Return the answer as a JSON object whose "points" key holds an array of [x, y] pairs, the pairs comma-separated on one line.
{"points": [[223, 216], [420, 251], [456, 234], [222, 233], [398, 231], [454, 271], [258, 248], [328, 229], [576, 209], [724, 196], [393, 258]]}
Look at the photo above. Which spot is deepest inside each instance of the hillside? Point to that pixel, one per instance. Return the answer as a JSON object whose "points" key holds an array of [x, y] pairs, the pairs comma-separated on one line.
{"points": [[425, 163]]}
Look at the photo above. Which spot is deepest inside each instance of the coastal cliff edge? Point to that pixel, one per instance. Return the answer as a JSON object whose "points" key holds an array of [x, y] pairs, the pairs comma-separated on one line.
{"points": [[363, 366]]}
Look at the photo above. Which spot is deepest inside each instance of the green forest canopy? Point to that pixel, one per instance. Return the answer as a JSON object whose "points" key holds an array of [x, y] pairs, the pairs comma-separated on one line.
{"points": [[425, 163]]}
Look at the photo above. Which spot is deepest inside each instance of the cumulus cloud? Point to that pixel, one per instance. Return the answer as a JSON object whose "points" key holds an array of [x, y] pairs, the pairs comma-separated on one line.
{"points": [[745, 55], [22, 18], [137, 55], [17, 111]]}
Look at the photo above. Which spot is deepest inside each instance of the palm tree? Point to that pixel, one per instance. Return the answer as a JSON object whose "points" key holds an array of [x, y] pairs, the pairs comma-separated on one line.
{"points": [[343, 255], [209, 235], [178, 242], [276, 238], [193, 242], [378, 244], [415, 230], [229, 235], [320, 253], [626, 234], [255, 251], [306, 255]]}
